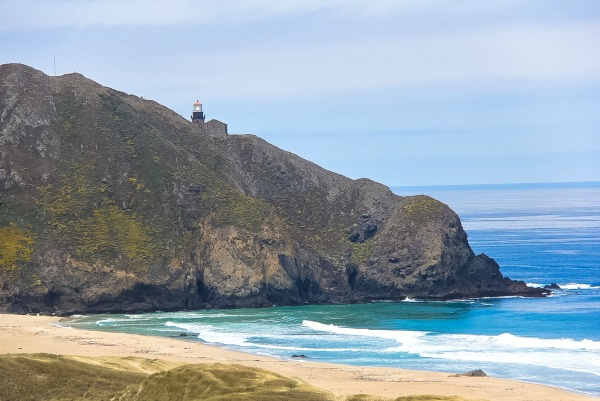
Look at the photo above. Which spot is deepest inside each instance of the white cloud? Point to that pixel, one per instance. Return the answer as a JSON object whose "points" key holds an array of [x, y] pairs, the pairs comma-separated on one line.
{"points": [[32, 14], [42, 14], [329, 60], [536, 54]]}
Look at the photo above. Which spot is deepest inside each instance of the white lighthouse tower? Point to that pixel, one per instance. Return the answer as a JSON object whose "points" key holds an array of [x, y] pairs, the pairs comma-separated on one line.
{"points": [[197, 113]]}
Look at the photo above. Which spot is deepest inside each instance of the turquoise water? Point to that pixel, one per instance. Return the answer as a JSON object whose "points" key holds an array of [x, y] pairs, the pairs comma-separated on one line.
{"points": [[539, 234]]}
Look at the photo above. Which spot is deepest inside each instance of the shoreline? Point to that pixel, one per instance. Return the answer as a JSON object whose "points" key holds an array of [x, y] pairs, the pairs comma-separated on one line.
{"points": [[42, 334]]}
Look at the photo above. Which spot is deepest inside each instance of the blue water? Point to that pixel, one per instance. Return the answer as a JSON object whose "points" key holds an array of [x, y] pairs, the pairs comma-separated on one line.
{"points": [[538, 233]]}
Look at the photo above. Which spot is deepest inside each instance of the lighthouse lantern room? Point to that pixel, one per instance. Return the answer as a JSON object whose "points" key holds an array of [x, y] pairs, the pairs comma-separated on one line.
{"points": [[197, 113]]}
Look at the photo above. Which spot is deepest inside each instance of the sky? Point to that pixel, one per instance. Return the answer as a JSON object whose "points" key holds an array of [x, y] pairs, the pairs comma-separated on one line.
{"points": [[405, 92]]}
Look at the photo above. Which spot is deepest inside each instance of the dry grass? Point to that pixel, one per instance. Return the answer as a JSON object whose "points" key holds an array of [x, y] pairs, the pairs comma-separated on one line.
{"points": [[408, 398], [62, 378], [50, 377], [224, 382]]}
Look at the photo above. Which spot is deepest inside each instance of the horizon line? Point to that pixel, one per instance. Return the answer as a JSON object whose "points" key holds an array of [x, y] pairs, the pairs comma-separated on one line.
{"points": [[500, 185]]}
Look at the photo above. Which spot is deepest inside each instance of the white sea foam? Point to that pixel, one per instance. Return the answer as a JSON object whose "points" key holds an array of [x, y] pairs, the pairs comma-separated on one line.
{"points": [[126, 319], [108, 320], [562, 252], [556, 360], [505, 339], [165, 330], [197, 315], [462, 300], [568, 286], [577, 286], [399, 336], [208, 333], [306, 349], [544, 343], [565, 353]]}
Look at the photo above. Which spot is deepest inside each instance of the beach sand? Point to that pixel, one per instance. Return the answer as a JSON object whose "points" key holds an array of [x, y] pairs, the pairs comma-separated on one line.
{"points": [[33, 334]]}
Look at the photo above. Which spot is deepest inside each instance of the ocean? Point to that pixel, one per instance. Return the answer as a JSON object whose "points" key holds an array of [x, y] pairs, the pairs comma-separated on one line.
{"points": [[538, 233]]}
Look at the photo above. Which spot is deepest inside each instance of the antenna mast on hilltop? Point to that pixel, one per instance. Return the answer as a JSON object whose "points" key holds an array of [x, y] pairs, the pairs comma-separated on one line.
{"points": [[55, 65]]}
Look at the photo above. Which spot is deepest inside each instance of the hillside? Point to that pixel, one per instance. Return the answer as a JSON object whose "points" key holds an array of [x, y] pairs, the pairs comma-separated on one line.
{"points": [[110, 202]]}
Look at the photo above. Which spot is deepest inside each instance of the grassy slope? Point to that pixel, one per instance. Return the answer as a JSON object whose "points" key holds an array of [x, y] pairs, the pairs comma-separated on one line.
{"points": [[50, 377]]}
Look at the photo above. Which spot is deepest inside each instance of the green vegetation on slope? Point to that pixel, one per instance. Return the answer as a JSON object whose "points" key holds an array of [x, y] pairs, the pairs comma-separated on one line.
{"points": [[85, 220], [61, 378], [112, 231], [242, 211], [421, 209], [15, 247], [360, 252]]}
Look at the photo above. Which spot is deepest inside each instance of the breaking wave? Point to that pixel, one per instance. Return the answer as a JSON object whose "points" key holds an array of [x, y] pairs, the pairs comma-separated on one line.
{"points": [[208, 334], [577, 286], [568, 286], [565, 353]]}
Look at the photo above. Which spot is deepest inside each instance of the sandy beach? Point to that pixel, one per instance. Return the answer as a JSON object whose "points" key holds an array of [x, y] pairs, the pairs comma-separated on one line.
{"points": [[33, 334]]}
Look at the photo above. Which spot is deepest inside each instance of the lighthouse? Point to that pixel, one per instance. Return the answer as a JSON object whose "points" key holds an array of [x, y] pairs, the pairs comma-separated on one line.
{"points": [[212, 127], [197, 113]]}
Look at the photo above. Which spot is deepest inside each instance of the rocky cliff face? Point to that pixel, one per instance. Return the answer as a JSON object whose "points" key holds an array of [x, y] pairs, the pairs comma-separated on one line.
{"points": [[109, 202]]}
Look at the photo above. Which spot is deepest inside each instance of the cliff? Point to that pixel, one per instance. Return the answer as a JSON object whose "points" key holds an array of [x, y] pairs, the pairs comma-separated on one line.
{"points": [[109, 202]]}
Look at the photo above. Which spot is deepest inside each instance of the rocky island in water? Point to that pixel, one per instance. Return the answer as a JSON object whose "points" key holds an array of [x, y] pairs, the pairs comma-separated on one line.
{"points": [[110, 202]]}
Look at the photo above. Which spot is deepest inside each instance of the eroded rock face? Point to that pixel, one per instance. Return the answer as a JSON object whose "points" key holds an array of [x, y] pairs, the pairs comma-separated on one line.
{"points": [[28, 146], [122, 205]]}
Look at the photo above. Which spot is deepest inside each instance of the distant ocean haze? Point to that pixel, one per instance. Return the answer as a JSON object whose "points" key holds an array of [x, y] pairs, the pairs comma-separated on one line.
{"points": [[538, 233]]}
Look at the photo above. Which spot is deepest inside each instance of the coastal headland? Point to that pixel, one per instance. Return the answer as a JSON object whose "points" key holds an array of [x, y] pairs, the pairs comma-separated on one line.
{"points": [[24, 334], [114, 203]]}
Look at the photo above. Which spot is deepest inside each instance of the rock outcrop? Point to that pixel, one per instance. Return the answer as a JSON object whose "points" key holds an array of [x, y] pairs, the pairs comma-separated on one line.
{"points": [[109, 202], [471, 373]]}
